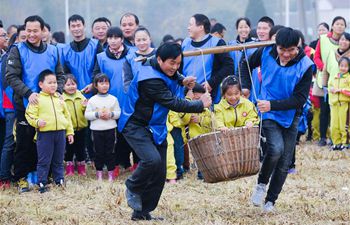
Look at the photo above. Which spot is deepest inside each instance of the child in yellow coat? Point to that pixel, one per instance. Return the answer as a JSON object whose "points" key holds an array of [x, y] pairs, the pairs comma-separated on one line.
{"points": [[234, 110], [198, 123], [52, 121], [170, 157], [339, 102], [76, 104]]}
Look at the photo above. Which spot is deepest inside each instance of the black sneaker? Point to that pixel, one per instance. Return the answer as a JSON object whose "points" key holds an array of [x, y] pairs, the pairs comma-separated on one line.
{"points": [[137, 216], [186, 169], [60, 183], [322, 142], [43, 188], [342, 147], [200, 175], [179, 177]]}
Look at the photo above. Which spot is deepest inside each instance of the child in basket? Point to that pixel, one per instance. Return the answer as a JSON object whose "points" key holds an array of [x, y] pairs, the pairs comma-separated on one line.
{"points": [[52, 120], [199, 123], [103, 110], [234, 110], [76, 104]]}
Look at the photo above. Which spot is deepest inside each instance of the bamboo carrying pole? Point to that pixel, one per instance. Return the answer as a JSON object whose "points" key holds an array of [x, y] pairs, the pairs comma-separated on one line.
{"points": [[227, 48], [220, 49]]}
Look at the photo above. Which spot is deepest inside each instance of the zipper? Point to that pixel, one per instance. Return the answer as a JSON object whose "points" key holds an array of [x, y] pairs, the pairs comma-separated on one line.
{"points": [[338, 92], [54, 110], [236, 117], [76, 115]]}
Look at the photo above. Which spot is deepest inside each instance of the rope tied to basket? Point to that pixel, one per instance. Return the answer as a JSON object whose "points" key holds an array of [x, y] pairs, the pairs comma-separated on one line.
{"points": [[219, 149], [255, 96]]}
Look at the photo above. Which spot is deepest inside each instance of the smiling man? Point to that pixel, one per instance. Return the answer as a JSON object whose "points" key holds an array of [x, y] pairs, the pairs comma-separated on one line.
{"points": [[263, 29], [79, 56], [143, 124], [24, 64], [286, 78], [99, 30], [129, 22], [217, 66]]}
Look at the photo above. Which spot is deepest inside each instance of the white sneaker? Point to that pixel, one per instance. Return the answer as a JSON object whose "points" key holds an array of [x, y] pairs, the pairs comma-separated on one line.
{"points": [[269, 207], [258, 194]]}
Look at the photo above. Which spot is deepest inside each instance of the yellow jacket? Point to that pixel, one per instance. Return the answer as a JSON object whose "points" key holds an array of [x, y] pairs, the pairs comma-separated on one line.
{"points": [[76, 109], [229, 116], [169, 138], [53, 111], [179, 120], [202, 127], [339, 82]]}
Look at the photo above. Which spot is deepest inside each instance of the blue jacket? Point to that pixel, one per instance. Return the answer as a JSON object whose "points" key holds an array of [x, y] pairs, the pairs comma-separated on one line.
{"points": [[157, 123], [113, 68], [80, 64], [278, 82], [34, 63], [193, 65]]}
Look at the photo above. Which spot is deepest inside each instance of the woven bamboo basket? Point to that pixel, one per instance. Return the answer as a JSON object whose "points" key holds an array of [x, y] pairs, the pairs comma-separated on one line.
{"points": [[222, 157]]}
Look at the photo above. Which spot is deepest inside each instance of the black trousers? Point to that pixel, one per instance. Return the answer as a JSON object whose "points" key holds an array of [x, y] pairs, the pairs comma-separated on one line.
{"points": [[77, 148], [324, 116], [25, 157], [122, 152], [104, 143], [149, 178]]}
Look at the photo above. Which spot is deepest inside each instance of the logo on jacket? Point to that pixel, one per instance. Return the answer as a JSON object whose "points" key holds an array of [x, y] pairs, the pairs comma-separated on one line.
{"points": [[244, 114]]}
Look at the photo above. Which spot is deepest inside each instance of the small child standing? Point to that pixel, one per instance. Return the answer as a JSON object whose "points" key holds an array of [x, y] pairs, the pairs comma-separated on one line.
{"points": [[103, 110], [339, 101], [198, 123], [234, 110], [52, 120], [170, 157], [76, 104]]}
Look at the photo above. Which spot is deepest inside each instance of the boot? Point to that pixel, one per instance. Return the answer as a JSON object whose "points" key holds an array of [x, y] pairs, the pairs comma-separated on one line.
{"points": [[111, 176], [81, 168], [99, 175], [69, 168]]}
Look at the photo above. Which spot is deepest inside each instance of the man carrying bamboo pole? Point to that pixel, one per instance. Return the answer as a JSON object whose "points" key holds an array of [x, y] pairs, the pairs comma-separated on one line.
{"points": [[143, 124], [286, 78]]}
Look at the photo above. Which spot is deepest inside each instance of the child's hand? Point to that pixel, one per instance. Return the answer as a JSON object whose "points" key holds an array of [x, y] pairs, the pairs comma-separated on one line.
{"points": [[224, 130], [87, 89], [84, 102], [105, 115], [41, 123], [70, 139], [335, 90], [194, 118], [249, 124]]}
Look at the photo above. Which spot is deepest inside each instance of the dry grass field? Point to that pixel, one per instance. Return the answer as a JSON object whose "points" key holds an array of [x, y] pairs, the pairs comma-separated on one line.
{"points": [[318, 194]]}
